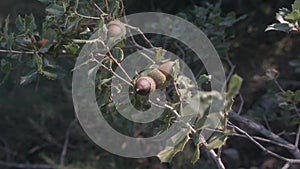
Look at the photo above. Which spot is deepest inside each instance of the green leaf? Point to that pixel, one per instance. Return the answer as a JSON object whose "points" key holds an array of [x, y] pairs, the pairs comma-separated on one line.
{"points": [[20, 23], [284, 27], [159, 54], [203, 79], [296, 5], [5, 66], [297, 97], [39, 62], [55, 10], [72, 48], [118, 54], [295, 121], [234, 86], [289, 95], [6, 26], [28, 78], [169, 152], [196, 154], [53, 72], [293, 16], [217, 141]]}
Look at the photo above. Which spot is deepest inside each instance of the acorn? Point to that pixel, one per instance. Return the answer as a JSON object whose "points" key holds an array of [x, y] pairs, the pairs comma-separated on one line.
{"points": [[159, 77], [116, 28], [144, 85], [166, 68]]}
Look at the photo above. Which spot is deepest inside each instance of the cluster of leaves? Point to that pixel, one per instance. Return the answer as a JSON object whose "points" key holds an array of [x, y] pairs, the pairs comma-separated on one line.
{"points": [[210, 19], [289, 20]]}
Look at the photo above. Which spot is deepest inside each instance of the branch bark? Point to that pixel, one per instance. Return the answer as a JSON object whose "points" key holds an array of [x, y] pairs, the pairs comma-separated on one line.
{"points": [[267, 133]]}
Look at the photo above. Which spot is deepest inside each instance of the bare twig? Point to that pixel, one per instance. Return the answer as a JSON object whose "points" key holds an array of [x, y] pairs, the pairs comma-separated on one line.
{"points": [[286, 166], [265, 149], [114, 73], [297, 137], [255, 137], [278, 85], [140, 32], [121, 67], [102, 13], [25, 166], [262, 130], [232, 68], [16, 51], [66, 143], [88, 17], [241, 105], [217, 160]]}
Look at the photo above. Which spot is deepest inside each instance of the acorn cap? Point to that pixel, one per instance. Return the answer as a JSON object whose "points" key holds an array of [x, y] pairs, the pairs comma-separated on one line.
{"points": [[166, 68], [116, 28], [144, 85], [158, 77]]}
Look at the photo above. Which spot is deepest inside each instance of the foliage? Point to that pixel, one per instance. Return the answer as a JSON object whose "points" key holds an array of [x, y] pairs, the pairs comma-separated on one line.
{"points": [[39, 58], [288, 19]]}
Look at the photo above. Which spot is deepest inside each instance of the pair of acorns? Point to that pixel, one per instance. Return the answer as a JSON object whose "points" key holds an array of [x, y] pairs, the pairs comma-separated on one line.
{"points": [[157, 78]]}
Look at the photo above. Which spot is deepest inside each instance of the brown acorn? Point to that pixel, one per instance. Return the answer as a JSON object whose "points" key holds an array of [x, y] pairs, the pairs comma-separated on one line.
{"points": [[166, 68], [159, 77], [144, 85], [116, 28]]}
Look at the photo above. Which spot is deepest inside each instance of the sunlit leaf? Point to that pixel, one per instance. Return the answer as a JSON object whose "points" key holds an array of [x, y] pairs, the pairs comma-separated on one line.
{"points": [[170, 151], [284, 27], [296, 5], [28, 78], [234, 86], [196, 154], [293, 16]]}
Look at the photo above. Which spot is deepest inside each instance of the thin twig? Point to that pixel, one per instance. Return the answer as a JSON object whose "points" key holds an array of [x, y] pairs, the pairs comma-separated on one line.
{"points": [[217, 160], [15, 51], [286, 166], [267, 123], [278, 85], [66, 143], [241, 105], [114, 73], [121, 67], [297, 137], [135, 43], [262, 130], [139, 31], [88, 17], [25, 166], [255, 137], [232, 68], [265, 149], [102, 13]]}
